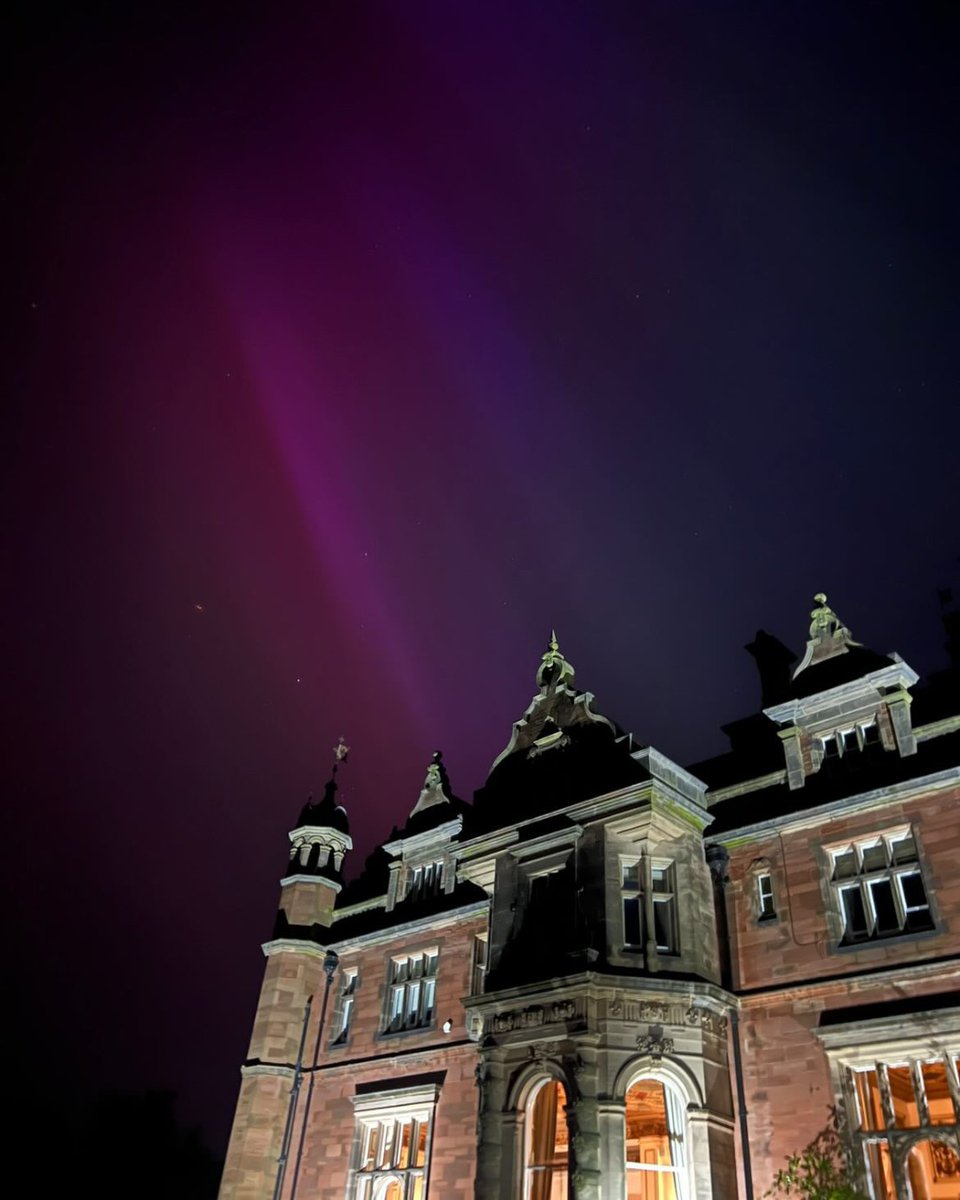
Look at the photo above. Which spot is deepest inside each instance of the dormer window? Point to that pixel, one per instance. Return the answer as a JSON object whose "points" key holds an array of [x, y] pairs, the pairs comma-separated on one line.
{"points": [[425, 880], [849, 741]]}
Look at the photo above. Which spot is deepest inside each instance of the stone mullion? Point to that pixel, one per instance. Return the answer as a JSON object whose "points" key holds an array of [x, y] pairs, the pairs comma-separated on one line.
{"points": [[953, 1083], [916, 1073]]}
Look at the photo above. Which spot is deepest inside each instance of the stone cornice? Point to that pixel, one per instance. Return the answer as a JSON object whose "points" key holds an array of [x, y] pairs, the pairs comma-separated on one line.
{"points": [[864, 802], [863, 980], [293, 946]]}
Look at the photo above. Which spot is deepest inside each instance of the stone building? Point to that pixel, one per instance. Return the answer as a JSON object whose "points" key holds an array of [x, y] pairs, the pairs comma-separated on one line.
{"points": [[613, 977]]}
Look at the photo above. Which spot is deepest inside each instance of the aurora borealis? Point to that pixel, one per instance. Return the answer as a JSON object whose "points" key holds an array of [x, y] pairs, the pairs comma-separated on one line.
{"points": [[355, 348]]}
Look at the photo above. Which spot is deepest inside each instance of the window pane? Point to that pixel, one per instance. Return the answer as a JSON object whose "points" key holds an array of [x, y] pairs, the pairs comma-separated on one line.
{"points": [[881, 1170], [403, 1154], [904, 849], [663, 925], [868, 1100], [884, 906], [631, 921], [631, 876], [905, 1111], [938, 1094], [874, 857], [850, 740], [844, 864], [429, 989], [765, 896], [933, 1169], [421, 1145], [651, 1185], [370, 1147], [662, 879], [547, 1149], [646, 1125], [854, 914]]}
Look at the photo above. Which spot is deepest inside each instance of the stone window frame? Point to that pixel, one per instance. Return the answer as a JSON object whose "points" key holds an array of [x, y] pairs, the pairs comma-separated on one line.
{"points": [[880, 1044], [479, 962], [521, 1093], [644, 889], [399, 1016], [689, 1107], [762, 869], [394, 1108], [346, 1002], [864, 876]]}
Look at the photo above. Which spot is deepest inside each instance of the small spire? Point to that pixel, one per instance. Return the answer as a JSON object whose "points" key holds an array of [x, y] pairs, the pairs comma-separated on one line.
{"points": [[554, 668]]}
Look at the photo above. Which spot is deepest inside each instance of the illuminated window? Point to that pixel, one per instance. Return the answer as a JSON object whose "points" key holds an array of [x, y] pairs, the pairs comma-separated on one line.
{"points": [[655, 1143], [662, 910], [393, 1144], [478, 972], [412, 991], [908, 1103], [879, 888], [546, 1143]]}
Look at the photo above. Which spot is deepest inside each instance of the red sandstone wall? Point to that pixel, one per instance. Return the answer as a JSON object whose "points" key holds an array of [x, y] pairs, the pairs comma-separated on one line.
{"points": [[787, 964]]}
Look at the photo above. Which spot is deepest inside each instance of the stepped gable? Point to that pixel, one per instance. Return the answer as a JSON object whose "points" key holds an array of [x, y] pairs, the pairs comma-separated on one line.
{"points": [[560, 752]]}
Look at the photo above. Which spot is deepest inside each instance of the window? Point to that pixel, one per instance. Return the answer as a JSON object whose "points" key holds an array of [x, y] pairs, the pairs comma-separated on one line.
{"points": [[656, 1157], [879, 888], [345, 1000], [632, 901], [425, 881], [412, 991], [478, 973], [907, 1103], [393, 1144], [546, 1143], [848, 741], [766, 909], [662, 911]]}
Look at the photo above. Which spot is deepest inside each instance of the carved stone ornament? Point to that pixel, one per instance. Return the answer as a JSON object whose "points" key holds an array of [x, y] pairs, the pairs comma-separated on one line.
{"points": [[703, 1018], [563, 1010], [616, 1008], [651, 1011], [654, 1044], [540, 1052], [525, 1018]]}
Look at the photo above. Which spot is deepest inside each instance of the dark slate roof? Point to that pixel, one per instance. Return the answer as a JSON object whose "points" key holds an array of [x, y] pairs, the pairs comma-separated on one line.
{"points": [[374, 919], [325, 813], [594, 759], [833, 672], [850, 775]]}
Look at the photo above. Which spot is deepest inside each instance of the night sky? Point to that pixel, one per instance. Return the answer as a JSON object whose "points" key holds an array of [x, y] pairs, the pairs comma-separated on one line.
{"points": [[356, 346]]}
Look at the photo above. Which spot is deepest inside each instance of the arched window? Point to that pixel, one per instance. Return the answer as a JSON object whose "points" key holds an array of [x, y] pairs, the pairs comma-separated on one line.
{"points": [[656, 1153], [547, 1143]]}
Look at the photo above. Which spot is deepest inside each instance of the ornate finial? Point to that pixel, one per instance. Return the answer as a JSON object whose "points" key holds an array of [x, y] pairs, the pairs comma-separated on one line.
{"points": [[341, 750], [432, 791], [554, 668], [828, 635]]}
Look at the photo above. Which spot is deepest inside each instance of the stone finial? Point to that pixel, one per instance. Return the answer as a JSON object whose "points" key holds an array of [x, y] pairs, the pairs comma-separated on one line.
{"points": [[432, 791], [554, 668], [828, 635]]}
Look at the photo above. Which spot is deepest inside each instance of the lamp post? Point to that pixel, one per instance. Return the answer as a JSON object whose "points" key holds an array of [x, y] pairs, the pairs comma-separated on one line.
{"points": [[330, 963]]}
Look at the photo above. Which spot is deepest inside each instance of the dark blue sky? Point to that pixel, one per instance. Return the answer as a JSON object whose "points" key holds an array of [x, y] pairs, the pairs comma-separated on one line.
{"points": [[354, 348]]}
